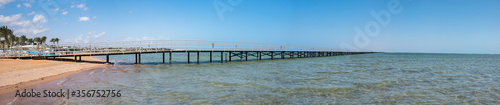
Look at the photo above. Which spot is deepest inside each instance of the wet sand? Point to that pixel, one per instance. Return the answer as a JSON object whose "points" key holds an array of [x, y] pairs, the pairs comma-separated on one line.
{"points": [[53, 85], [18, 74]]}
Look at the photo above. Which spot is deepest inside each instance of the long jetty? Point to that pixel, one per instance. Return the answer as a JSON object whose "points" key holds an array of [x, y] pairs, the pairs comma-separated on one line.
{"points": [[226, 49]]}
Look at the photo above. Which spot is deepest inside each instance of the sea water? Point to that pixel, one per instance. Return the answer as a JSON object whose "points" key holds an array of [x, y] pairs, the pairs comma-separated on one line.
{"points": [[380, 78]]}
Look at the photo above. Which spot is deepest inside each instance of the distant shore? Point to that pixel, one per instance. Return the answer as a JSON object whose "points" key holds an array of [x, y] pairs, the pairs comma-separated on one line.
{"points": [[17, 74]]}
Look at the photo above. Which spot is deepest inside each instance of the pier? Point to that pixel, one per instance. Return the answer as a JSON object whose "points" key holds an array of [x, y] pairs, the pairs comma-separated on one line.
{"points": [[242, 51]]}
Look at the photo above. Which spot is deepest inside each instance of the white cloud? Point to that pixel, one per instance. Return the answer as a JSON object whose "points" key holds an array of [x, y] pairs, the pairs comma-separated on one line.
{"points": [[20, 23], [26, 27], [28, 5], [89, 37], [3, 2], [64, 13], [83, 19], [77, 39], [18, 6], [12, 18], [81, 6], [32, 13], [33, 30], [93, 35], [145, 38], [39, 18], [57, 9], [94, 17], [90, 33], [100, 35]]}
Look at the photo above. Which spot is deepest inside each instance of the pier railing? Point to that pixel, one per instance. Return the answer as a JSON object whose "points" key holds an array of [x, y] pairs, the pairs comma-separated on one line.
{"points": [[158, 45]]}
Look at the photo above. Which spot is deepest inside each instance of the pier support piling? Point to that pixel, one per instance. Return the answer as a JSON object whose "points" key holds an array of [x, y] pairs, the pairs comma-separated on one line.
{"points": [[272, 55], [282, 55], [242, 54], [188, 57], [260, 55], [107, 58]]}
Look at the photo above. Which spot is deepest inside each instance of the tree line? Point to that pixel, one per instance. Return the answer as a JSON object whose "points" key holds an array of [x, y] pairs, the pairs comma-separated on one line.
{"points": [[9, 39]]}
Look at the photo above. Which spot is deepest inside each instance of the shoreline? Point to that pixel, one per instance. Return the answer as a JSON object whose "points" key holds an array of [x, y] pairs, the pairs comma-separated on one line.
{"points": [[18, 74]]}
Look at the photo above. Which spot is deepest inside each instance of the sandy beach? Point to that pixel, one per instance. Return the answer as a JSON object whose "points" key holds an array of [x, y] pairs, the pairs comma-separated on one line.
{"points": [[18, 74]]}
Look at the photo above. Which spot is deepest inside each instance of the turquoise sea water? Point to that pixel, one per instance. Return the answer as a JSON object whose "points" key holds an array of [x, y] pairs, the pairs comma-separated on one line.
{"points": [[382, 78]]}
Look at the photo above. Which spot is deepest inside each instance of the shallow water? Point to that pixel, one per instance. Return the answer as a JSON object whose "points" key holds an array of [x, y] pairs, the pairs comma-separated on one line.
{"points": [[383, 78]]}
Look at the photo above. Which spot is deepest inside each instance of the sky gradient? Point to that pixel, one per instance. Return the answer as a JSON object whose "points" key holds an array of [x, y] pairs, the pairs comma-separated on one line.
{"points": [[431, 26]]}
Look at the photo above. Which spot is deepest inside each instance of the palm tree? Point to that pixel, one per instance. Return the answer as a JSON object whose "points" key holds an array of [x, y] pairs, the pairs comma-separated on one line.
{"points": [[12, 39], [43, 39], [53, 41], [23, 39], [2, 42], [5, 34], [2, 35], [57, 40], [17, 40], [37, 41], [30, 41]]}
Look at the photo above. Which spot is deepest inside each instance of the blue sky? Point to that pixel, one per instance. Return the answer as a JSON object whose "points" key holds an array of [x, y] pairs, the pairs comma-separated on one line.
{"points": [[434, 26]]}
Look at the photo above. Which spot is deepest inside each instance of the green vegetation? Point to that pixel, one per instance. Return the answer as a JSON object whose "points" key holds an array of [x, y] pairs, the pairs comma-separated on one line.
{"points": [[54, 40], [8, 39]]}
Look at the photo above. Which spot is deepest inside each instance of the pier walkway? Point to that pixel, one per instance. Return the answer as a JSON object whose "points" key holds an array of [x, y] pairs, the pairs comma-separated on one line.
{"points": [[227, 50]]}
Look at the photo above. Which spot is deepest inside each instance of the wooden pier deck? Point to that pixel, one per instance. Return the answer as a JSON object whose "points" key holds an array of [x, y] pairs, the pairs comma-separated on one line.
{"points": [[227, 50]]}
